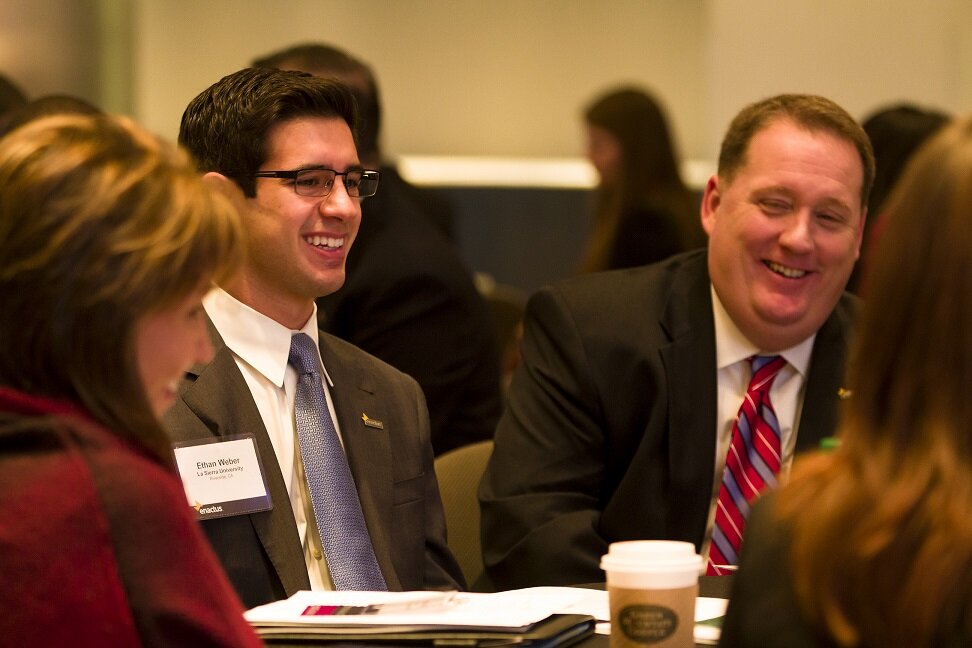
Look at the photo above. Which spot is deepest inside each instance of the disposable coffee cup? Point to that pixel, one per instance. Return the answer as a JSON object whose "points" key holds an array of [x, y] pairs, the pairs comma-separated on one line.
{"points": [[652, 586]]}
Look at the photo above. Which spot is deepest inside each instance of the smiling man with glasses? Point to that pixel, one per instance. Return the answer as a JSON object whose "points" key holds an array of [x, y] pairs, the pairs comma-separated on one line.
{"points": [[410, 298], [281, 146]]}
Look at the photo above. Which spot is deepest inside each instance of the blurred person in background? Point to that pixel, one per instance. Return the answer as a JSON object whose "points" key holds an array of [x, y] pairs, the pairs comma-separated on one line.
{"points": [[895, 132], [12, 98], [644, 212], [54, 104], [108, 242]]}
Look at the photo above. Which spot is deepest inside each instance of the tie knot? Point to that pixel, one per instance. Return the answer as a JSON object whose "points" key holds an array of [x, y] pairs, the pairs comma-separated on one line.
{"points": [[765, 369], [302, 354]]}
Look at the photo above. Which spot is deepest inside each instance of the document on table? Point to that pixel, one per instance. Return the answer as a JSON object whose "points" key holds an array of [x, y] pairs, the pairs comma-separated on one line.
{"points": [[512, 609]]}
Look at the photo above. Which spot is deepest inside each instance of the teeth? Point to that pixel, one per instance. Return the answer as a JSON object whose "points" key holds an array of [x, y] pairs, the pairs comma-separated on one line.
{"points": [[324, 241], [791, 273]]}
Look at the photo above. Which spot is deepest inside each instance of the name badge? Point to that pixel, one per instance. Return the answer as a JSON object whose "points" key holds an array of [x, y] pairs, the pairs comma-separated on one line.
{"points": [[222, 476]]}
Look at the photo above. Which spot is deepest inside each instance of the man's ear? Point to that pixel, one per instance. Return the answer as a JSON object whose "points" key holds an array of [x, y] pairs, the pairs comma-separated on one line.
{"points": [[710, 203], [227, 187]]}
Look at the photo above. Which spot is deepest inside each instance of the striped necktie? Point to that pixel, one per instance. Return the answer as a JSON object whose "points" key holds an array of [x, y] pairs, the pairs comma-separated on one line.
{"points": [[337, 509], [752, 464]]}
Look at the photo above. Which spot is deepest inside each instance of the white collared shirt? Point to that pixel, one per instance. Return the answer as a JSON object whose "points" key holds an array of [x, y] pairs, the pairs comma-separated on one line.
{"points": [[261, 348], [733, 373]]}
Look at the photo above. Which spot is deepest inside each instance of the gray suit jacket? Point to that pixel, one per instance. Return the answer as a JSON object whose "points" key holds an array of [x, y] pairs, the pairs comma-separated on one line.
{"points": [[392, 468], [609, 430]]}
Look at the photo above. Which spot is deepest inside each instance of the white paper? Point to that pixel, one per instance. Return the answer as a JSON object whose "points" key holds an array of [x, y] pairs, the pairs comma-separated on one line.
{"points": [[511, 609]]}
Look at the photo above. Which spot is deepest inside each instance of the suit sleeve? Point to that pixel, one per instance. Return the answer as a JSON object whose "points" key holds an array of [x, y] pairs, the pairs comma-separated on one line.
{"points": [[432, 325], [541, 493], [645, 236]]}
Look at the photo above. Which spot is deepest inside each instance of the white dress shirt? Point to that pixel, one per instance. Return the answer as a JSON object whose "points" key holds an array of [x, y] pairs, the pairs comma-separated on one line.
{"points": [[733, 373], [261, 348]]}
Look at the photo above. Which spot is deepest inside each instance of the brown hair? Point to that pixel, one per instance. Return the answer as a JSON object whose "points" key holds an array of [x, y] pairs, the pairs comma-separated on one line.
{"points": [[885, 557], [325, 61], [811, 112], [650, 175], [100, 223]]}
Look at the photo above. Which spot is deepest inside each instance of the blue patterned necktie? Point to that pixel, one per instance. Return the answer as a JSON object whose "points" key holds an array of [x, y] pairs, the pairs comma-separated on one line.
{"points": [[344, 536]]}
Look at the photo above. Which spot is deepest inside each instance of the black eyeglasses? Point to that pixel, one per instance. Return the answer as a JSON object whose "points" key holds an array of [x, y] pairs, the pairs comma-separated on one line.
{"points": [[359, 183]]}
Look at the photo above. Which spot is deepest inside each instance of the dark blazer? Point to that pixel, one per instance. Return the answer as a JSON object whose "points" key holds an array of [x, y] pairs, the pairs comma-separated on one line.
{"points": [[645, 235], [763, 610], [392, 469], [762, 606], [410, 300], [609, 432]]}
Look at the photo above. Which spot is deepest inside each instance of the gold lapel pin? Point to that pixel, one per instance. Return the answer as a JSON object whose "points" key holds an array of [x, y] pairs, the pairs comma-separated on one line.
{"points": [[843, 393], [372, 423]]}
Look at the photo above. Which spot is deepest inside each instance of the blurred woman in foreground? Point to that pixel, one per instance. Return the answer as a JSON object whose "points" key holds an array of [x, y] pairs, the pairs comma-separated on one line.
{"points": [[108, 241], [872, 545]]}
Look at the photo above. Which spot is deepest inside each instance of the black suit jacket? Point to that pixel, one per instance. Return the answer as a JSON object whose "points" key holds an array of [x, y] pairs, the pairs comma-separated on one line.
{"points": [[392, 469], [763, 611], [411, 301], [609, 432]]}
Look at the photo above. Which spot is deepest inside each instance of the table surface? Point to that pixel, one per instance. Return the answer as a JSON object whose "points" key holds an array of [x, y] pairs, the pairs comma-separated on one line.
{"points": [[709, 586]]}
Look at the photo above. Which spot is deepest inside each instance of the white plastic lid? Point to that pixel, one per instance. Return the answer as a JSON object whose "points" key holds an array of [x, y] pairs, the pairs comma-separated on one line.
{"points": [[651, 564]]}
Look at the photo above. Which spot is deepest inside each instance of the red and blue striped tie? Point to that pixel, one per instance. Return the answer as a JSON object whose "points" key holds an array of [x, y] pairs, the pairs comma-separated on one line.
{"points": [[752, 464]]}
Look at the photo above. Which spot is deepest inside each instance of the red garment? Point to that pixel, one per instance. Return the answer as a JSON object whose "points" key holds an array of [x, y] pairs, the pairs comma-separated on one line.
{"points": [[98, 546]]}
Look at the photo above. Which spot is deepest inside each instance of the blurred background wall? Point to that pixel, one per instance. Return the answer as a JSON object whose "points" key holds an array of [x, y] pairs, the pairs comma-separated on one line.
{"points": [[507, 78]]}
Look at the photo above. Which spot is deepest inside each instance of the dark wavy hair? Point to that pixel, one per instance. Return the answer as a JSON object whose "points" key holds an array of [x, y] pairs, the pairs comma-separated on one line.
{"points": [[225, 127]]}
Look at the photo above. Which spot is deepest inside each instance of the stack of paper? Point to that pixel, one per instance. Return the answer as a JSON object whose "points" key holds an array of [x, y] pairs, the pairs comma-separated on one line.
{"points": [[536, 616], [558, 615]]}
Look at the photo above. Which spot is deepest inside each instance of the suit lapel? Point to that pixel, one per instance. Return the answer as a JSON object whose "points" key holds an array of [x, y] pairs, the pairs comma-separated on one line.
{"points": [[819, 415], [689, 362], [368, 448], [221, 399]]}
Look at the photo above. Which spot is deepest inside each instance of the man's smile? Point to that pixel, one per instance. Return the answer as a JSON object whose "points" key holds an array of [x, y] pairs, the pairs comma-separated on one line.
{"points": [[780, 269], [326, 242]]}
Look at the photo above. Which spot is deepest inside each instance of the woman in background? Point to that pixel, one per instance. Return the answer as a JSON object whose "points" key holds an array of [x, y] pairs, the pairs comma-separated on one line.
{"points": [[871, 545], [896, 132], [108, 241], [644, 212]]}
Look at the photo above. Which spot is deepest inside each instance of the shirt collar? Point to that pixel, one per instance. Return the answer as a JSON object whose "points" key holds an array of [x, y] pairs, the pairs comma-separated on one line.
{"points": [[732, 346], [256, 339]]}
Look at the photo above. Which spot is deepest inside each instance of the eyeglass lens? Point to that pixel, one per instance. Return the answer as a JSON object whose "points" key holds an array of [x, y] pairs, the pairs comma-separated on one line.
{"points": [[319, 182]]}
